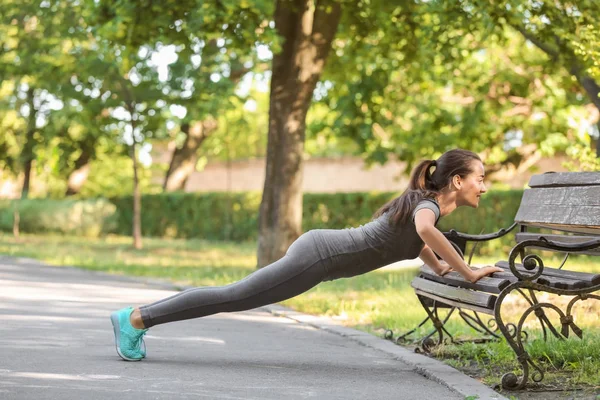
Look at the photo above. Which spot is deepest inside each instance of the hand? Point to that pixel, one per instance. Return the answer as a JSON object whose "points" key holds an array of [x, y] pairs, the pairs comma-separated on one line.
{"points": [[442, 268], [445, 268], [483, 272]]}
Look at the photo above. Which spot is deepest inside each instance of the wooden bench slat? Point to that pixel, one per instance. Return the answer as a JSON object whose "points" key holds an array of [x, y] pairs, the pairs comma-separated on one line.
{"points": [[480, 299], [487, 284], [572, 279], [592, 230], [454, 303], [508, 277], [563, 196], [572, 209], [520, 237], [565, 179], [551, 281]]}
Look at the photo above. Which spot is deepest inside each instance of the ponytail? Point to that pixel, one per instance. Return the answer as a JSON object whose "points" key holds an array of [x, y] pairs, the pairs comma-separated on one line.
{"points": [[420, 186], [420, 178], [425, 184]]}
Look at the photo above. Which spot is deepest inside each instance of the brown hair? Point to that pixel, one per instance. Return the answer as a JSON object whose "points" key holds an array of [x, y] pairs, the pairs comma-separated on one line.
{"points": [[425, 184]]}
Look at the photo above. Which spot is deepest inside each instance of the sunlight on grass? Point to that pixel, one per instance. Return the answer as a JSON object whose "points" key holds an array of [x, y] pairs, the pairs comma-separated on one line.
{"points": [[191, 262]]}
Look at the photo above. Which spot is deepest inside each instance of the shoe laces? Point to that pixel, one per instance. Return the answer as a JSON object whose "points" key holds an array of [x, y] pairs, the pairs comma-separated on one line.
{"points": [[140, 342]]}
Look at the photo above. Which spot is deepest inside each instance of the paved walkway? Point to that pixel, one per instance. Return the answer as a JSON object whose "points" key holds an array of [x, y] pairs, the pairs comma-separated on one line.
{"points": [[56, 342]]}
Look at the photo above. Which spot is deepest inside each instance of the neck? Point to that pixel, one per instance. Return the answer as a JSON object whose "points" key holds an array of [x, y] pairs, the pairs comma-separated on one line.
{"points": [[447, 202]]}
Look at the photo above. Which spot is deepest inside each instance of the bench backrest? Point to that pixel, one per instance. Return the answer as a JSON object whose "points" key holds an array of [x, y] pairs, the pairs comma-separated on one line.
{"points": [[563, 201]]}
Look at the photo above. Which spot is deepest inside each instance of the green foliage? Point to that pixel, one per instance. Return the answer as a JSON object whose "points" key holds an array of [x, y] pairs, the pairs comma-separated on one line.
{"points": [[565, 30], [582, 159], [412, 80], [222, 216], [406, 80], [341, 210], [214, 47], [211, 216], [493, 95], [92, 217], [113, 176], [241, 132]]}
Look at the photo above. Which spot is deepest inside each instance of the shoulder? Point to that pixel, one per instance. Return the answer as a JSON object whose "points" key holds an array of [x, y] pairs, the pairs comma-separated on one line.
{"points": [[429, 204]]}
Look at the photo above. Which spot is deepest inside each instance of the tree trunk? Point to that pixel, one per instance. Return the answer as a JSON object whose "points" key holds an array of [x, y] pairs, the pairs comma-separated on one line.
{"points": [[598, 141], [137, 198], [307, 28], [183, 162], [16, 220], [593, 91], [79, 176], [29, 146]]}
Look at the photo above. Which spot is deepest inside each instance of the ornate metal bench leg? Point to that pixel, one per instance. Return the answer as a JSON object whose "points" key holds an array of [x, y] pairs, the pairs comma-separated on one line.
{"points": [[543, 318], [475, 322], [404, 338], [427, 343], [438, 324], [567, 321], [510, 380]]}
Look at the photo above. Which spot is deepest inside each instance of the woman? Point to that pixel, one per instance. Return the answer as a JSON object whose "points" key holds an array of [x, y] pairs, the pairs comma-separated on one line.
{"points": [[404, 228]]}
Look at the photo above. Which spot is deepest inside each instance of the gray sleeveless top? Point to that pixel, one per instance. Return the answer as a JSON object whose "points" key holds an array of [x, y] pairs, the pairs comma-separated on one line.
{"points": [[354, 251]]}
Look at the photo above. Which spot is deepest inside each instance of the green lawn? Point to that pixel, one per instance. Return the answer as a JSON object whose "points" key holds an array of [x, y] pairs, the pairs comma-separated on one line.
{"points": [[373, 302]]}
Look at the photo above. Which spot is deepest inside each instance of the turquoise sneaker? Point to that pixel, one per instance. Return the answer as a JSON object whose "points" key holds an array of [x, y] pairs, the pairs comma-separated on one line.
{"points": [[128, 339]]}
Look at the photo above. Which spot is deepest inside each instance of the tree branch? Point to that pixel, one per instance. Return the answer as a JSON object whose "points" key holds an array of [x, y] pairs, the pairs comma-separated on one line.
{"points": [[537, 42]]}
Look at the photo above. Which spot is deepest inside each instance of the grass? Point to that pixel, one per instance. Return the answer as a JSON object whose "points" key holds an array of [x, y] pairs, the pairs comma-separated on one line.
{"points": [[570, 363], [373, 302], [193, 262]]}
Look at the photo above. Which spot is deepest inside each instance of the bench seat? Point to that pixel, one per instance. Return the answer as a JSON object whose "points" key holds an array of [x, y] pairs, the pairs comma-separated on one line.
{"points": [[558, 278]]}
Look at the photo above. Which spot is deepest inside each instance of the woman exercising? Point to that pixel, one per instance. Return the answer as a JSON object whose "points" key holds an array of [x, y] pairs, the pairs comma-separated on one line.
{"points": [[404, 228]]}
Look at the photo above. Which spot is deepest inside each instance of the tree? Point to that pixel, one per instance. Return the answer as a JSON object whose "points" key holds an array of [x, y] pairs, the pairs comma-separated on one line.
{"points": [[442, 77], [215, 46], [43, 44], [307, 29], [120, 64], [566, 31], [193, 27], [32, 60], [210, 85]]}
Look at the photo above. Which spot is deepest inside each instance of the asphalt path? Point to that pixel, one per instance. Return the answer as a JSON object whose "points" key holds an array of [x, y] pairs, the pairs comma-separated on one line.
{"points": [[56, 342]]}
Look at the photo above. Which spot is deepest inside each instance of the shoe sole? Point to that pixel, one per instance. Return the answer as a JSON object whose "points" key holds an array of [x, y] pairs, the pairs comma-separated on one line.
{"points": [[114, 318]]}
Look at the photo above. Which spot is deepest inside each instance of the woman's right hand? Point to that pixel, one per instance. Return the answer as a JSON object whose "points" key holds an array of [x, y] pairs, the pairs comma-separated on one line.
{"points": [[483, 272]]}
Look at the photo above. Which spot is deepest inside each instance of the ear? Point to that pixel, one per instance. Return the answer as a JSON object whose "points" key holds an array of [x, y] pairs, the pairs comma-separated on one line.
{"points": [[457, 182]]}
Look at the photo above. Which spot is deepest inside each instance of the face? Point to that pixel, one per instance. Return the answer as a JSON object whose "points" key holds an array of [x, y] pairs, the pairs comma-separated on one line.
{"points": [[471, 187]]}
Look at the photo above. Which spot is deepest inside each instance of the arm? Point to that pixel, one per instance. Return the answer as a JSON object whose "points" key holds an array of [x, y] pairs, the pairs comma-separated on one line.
{"points": [[428, 257], [436, 241]]}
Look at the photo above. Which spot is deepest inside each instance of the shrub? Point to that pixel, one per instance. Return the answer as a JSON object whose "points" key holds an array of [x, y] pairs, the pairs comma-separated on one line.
{"points": [[234, 216], [90, 217]]}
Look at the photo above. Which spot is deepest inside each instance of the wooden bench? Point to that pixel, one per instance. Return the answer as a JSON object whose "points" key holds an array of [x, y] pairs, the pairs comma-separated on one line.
{"points": [[565, 204]]}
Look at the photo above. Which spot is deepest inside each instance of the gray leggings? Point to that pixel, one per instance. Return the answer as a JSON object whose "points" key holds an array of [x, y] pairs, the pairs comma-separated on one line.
{"points": [[298, 271]]}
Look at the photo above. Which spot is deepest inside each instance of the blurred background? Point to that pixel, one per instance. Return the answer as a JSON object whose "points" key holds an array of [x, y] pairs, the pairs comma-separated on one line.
{"points": [[110, 100]]}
